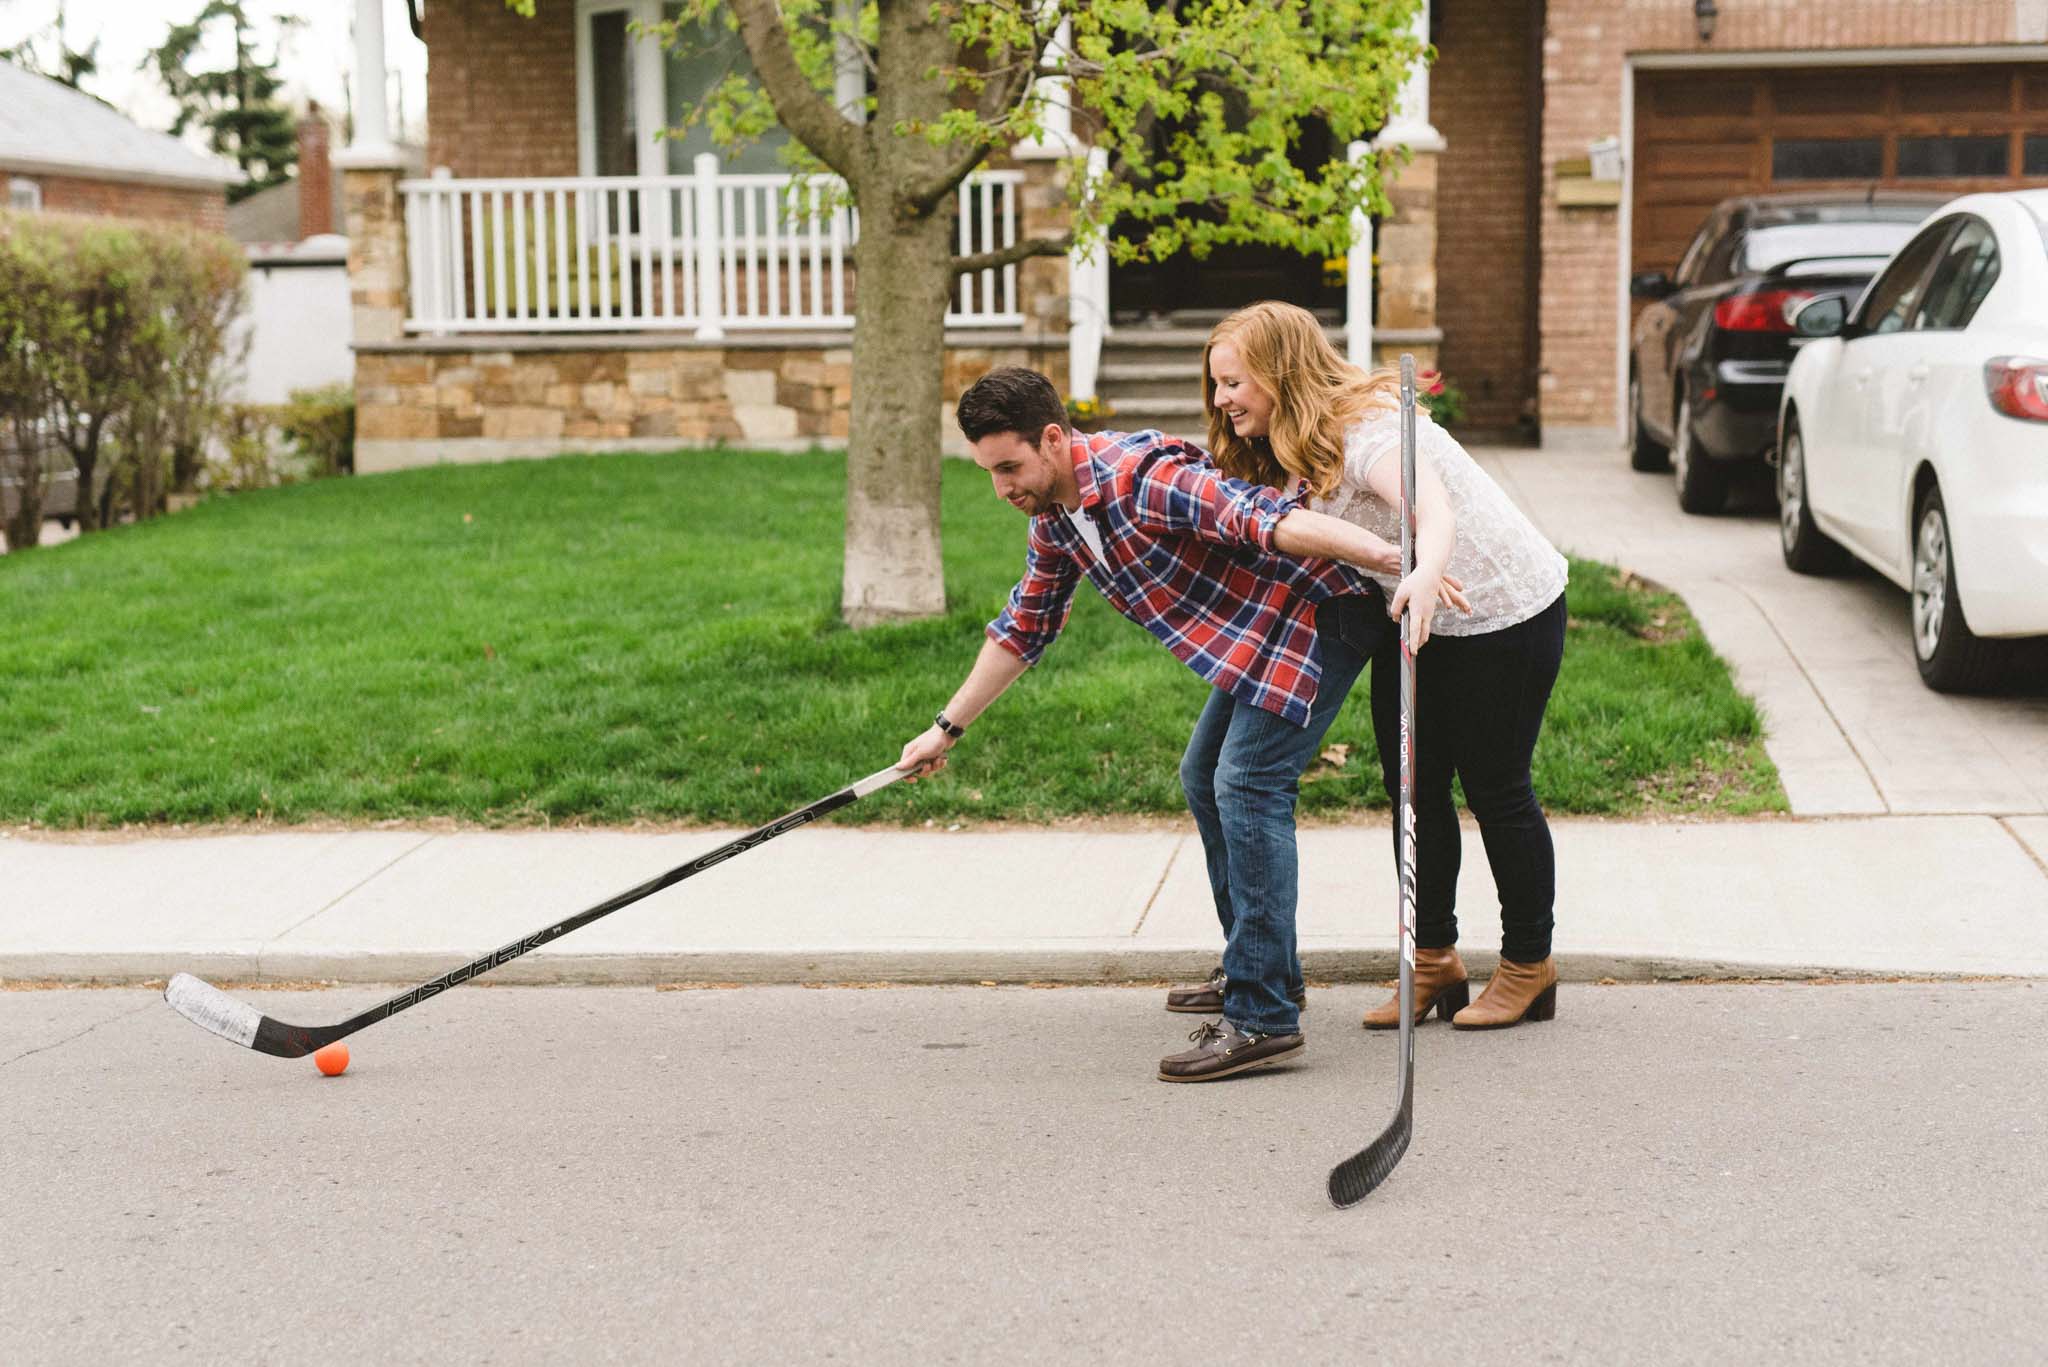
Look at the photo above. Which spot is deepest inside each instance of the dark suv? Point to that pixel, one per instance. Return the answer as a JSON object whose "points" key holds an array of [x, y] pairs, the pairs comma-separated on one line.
{"points": [[1708, 356]]}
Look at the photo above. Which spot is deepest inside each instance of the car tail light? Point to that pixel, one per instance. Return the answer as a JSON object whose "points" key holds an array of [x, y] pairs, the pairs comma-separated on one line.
{"points": [[2018, 386], [1763, 311]]}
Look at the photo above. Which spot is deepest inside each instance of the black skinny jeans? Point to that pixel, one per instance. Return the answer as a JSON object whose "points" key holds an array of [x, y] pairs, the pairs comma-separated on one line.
{"points": [[1479, 704]]}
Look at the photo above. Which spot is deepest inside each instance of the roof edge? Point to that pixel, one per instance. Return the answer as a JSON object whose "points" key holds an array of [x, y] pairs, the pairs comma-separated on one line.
{"points": [[226, 176]]}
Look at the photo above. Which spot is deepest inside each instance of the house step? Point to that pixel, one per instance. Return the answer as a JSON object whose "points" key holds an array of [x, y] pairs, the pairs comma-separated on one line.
{"points": [[1163, 408], [1145, 372], [1120, 380], [1144, 337], [1175, 417], [1208, 318]]}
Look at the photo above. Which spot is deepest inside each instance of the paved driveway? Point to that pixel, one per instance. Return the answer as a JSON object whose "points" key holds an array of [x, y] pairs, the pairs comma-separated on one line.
{"points": [[1851, 727]]}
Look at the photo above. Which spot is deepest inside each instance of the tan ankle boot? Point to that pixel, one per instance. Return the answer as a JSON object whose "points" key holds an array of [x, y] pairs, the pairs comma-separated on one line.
{"points": [[1515, 993], [1439, 984]]}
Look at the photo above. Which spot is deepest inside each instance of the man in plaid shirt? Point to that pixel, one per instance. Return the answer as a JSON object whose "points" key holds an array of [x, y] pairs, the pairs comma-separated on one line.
{"points": [[1206, 565]]}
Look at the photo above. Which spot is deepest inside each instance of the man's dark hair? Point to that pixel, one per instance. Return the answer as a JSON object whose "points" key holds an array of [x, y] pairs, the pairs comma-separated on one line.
{"points": [[1009, 399]]}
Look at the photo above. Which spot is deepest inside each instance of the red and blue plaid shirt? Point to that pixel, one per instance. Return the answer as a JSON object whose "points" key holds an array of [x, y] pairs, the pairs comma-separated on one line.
{"points": [[1188, 555]]}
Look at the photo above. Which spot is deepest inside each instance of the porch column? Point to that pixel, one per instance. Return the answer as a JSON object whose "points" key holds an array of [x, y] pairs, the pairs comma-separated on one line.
{"points": [[1070, 291], [1088, 316], [849, 72], [1358, 278], [375, 219], [1410, 126], [1406, 290]]}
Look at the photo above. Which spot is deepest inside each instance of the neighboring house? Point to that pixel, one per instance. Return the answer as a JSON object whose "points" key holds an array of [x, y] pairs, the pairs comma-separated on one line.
{"points": [[297, 321], [548, 285], [65, 152]]}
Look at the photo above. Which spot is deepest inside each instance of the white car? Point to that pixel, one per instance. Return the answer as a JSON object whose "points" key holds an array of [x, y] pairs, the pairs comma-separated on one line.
{"points": [[1913, 434]]}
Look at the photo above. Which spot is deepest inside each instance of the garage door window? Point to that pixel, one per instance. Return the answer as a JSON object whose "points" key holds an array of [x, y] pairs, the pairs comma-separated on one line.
{"points": [[1952, 158], [1827, 159], [2036, 157], [1968, 270]]}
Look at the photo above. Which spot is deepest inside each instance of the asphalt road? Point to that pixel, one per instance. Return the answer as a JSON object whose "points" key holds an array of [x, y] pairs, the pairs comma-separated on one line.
{"points": [[1672, 1173]]}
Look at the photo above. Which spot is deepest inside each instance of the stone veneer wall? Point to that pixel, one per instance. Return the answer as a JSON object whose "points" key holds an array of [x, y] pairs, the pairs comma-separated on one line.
{"points": [[426, 403]]}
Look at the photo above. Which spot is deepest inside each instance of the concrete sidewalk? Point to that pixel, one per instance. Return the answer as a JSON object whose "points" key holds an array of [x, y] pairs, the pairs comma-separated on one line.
{"points": [[1939, 895], [1850, 726]]}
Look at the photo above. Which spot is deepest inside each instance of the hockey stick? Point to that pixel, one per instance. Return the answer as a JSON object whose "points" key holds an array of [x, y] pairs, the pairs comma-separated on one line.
{"points": [[1352, 1180], [207, 1006]]}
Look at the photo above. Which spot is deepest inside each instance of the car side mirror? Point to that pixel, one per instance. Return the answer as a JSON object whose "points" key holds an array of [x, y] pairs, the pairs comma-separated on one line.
{"points": [[1651, 285], [1822, 317]]}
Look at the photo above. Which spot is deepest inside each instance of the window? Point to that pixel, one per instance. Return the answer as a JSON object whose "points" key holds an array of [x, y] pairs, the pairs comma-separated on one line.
{"points": [[1967, 271], [704, 58], [621, 137], [1689, 264], [1952, 158], [1778, 243], [24, 195], [1897, 293], [2034, 155], [1827, 158]]}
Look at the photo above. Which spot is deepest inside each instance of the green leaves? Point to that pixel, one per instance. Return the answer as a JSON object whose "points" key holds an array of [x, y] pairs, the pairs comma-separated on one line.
{"points": [[1227, 121]]}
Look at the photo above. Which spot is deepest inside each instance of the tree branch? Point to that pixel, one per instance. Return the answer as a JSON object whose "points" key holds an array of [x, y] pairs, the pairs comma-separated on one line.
{"points": [[1015, 252], [997, 100], [831, 136]]}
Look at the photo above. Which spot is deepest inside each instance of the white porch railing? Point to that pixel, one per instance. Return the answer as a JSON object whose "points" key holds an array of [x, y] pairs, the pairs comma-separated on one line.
{"points": [[704, 252]]}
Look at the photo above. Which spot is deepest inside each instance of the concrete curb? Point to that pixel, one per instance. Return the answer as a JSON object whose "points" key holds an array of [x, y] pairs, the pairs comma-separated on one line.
{"points": [[915, 968]]}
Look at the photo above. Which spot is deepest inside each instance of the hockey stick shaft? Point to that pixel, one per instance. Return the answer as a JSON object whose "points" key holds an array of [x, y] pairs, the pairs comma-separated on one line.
{"points": [[1405, 1083], [1352, 1180], [208, 1006]]}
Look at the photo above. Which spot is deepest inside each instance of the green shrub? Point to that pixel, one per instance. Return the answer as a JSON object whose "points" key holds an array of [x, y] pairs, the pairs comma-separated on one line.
{"points": [[114, 341], [320, 424]]}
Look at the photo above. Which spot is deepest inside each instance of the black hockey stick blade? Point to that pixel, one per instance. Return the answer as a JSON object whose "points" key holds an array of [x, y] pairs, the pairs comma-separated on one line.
{"points": [[213, 1010], [1354, 1179]]}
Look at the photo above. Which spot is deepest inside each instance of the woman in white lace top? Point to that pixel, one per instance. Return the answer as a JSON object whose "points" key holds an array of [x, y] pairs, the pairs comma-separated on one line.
{"points": [[1285, 409]]}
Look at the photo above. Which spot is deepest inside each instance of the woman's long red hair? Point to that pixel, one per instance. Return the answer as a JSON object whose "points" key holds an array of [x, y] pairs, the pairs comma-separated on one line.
{"points": [[1316, 395]]}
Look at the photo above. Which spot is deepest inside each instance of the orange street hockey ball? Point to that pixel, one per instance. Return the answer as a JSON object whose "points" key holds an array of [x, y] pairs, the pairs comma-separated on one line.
{"points": [[333, 1060]]}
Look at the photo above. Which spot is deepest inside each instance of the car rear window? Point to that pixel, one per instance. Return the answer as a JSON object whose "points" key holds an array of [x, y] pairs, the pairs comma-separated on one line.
{"points": [[1763, 248]]}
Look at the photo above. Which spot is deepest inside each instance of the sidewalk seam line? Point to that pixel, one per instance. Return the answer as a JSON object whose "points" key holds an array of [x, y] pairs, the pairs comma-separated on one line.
{"points": [[1160, 886], [1818, 696], [343, 896], [2005, 824]]}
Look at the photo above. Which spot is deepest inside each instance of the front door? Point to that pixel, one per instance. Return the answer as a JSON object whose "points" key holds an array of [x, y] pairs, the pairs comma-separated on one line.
{"points": [[1229, 277]]}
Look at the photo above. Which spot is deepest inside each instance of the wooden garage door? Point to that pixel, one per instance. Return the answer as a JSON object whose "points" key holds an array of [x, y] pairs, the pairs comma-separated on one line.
{"points": [[1702, 136]]}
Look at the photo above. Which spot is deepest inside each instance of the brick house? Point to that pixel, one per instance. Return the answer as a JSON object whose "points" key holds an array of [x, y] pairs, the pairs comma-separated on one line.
{"points": [[65, 152], [564, 278]]}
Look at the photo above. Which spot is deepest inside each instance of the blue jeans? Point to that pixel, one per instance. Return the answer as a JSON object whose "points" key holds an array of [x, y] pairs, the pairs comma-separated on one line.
{"points": [[1242, 776]]}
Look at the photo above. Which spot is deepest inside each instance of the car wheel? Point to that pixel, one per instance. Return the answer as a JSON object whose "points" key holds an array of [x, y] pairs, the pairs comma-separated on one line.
{"points": [[1643, 453], [1952, 658], [1808, 549], [1702, 481]]}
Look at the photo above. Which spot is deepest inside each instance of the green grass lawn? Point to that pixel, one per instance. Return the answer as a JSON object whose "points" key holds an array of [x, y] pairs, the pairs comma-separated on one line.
{"points": [[613, 638]]}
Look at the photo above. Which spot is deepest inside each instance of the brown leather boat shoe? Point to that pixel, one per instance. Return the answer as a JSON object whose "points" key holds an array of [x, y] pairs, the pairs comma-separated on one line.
{"points": [[1222, 1050], [1206, 999]]}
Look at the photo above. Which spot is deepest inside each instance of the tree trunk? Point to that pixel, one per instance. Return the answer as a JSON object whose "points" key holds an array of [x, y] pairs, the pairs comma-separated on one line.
{"points": [[24, 462], [905, 278]]}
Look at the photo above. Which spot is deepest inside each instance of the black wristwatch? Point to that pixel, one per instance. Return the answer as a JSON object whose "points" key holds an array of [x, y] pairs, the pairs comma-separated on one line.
{"points": [[954, 731]]}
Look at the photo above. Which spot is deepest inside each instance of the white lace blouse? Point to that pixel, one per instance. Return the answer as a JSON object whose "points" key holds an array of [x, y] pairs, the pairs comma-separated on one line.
{"points": [[1509, 570]]}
